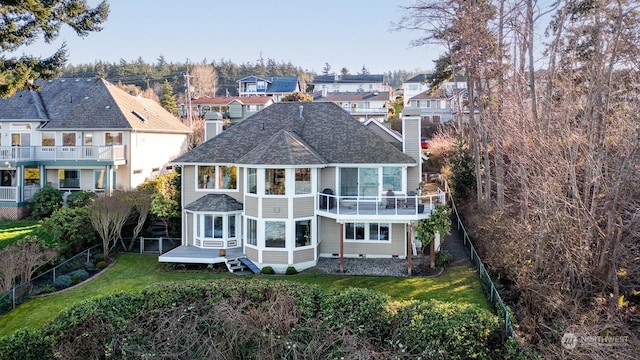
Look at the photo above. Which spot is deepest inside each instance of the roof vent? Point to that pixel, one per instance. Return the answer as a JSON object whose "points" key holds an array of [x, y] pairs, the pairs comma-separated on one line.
{"points": [[107, 107], [301, 107], [140, 116], [86, 98]]}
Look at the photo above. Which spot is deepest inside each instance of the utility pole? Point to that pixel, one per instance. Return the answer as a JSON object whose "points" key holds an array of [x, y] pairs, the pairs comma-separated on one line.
{"points": [[187, 77]]}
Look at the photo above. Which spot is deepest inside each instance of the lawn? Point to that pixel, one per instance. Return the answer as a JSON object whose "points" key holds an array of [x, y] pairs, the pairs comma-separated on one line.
{"points": [[12, 231], [133, 272]]}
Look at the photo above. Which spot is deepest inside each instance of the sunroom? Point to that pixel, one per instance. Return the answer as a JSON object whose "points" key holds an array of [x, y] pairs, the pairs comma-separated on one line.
{"points": [[216, 221]]}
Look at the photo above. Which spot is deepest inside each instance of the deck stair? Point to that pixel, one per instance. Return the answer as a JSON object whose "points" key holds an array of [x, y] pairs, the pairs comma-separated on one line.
{"points": [[235, 265], [252, 267]]}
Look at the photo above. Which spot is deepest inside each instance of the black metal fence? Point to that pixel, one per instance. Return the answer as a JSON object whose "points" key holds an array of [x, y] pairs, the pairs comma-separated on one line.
{"points": [[46, 282], [487, 284]]}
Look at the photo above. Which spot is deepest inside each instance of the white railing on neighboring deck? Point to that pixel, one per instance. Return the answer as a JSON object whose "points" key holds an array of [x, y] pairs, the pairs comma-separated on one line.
{"points": [[53, 153], [9, 193]]}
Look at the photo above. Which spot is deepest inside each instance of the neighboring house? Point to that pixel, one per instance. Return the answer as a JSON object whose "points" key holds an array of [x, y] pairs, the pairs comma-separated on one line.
{"points": [[81, 134], [353, 83], [362, 105], [233, 108], [436, 108], [299, 181], [276, 87], [420, 83]]}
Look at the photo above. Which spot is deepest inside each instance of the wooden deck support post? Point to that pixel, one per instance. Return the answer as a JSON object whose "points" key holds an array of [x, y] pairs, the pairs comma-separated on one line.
{"points": [[341, 248], [409, 253]]}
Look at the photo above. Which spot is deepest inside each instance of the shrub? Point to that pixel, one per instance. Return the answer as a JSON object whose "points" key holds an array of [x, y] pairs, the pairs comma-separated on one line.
{"points": [[98, 257], [101, 264], [268, 270], [27, 344], [62, 281], [291, 270], [81, 274], [45, 202], [89, 266], [70, 229], [82, 198], [440, 330], [443, 257], [359, 310]]}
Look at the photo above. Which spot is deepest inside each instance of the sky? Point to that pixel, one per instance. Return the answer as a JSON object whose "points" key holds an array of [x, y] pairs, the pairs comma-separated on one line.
{"points": [[346, 33]]}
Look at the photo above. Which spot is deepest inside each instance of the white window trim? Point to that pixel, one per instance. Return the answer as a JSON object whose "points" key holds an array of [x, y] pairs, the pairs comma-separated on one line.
{"points": [[366, 233]]}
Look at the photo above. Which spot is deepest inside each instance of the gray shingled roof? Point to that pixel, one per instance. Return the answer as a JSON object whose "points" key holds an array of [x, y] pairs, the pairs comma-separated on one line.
{"points": [[216, 203], [81, 104], [324, 128], [283, 148]]}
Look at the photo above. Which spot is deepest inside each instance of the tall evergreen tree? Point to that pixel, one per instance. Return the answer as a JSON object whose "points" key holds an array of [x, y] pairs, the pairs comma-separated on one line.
{"points": [[168, 98], [24, 21]]}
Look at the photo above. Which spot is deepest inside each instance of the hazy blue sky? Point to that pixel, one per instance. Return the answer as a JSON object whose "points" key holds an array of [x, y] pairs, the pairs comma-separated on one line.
{"points": [[346, 33]]}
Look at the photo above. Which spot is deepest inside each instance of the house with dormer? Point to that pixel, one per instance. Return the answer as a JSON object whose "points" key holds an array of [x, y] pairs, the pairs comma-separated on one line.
{"points": [[81, 134], [300, 181]]}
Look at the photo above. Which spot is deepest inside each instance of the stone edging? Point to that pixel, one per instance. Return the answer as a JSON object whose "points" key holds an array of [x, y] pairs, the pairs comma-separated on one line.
{"points": [[99, 273]]}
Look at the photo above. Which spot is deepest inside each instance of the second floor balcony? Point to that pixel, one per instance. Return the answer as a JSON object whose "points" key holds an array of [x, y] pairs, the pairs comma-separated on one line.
{"points": [[384, 207], [54, 153]]}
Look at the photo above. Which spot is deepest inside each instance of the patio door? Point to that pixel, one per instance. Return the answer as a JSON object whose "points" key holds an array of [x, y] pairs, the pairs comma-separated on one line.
{"points": [[359, 182]]}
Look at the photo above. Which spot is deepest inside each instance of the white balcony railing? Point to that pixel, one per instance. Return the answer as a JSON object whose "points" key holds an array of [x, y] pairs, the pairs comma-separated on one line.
{"points": [[54, 153], [383, 205], [380, 111]]}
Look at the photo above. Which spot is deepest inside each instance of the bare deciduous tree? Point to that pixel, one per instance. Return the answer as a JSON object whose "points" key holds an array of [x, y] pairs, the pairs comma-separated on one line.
{"points": [[108, 215]]}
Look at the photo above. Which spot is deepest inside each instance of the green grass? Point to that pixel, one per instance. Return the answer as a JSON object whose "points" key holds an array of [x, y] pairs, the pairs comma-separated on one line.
{"points": [[12, 231], [134, 272]]}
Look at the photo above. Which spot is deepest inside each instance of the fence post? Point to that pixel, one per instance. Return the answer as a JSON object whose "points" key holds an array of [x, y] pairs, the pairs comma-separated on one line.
{"points": [[88, 254], [141, 244], [160, 245], [54, 274], [13, 297]]}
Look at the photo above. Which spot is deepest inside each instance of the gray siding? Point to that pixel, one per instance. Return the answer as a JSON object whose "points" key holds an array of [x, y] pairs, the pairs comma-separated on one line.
{"points": [[275, 257], [330, 232], [328, 179], [411, 133], [303, 207], [251, 206], [273, 208], [303, 256], [189, 185], [329, 236], [190, 232], [235, 110], [252, 254]]}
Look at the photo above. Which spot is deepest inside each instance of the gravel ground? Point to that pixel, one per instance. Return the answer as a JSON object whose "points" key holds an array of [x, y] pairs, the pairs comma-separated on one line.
{"points": [[357, 266]]}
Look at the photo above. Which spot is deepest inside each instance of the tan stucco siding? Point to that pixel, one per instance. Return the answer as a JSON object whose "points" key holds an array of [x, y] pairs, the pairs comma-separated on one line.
{"points": [[251, 206], [275, 257], [303, 255], [273, 208], [303, 206]]}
